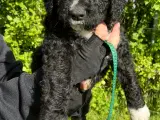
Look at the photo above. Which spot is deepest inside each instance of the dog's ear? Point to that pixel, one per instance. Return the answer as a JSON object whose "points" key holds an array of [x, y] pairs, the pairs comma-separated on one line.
{"points": [[116, 9], [48, 22], [49, 6]]}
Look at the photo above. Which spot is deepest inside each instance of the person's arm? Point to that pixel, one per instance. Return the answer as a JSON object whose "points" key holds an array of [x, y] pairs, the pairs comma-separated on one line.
{"points": [[9, 67], [17, 88], [102, 32]]}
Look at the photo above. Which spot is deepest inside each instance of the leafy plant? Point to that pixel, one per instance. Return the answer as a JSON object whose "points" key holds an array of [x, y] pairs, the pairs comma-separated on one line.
{"points": [[21, 23]]}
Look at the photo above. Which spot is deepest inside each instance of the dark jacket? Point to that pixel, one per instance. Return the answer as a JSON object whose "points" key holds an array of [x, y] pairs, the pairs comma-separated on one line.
{"points": [[16, 87]]}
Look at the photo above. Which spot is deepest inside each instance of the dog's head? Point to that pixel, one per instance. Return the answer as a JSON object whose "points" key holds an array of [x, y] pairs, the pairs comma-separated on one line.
{"points": [[85, 14]]}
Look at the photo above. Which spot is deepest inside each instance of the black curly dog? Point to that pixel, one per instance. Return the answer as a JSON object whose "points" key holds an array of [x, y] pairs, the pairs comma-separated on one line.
{"points": [[70, 22]]}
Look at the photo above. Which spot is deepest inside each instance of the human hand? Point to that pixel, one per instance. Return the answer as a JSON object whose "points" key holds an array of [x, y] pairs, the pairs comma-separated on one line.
{"points": [[102, 32], [85, 85]]}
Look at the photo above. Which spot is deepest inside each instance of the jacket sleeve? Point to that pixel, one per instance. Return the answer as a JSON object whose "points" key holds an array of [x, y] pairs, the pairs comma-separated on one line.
{"points": [[17, 88], [9, 68]]}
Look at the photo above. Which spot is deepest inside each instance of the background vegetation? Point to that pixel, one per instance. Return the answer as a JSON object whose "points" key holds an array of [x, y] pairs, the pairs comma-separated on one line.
{"points": [[21, 25]]}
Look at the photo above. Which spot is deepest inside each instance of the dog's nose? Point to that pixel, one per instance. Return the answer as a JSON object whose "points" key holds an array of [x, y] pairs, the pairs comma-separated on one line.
{"points": [[78, 13]]}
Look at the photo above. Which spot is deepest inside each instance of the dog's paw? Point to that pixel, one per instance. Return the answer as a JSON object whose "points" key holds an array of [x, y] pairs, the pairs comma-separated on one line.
{"points": [[140, 114]]}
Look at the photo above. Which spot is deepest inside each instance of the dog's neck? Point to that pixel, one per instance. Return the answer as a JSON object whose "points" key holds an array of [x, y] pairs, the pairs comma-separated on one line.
{"points": [[82, 32], [85, 34]]}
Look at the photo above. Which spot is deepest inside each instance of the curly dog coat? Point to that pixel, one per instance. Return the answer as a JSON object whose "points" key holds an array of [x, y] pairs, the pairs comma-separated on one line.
{"points": [[68, 23]]}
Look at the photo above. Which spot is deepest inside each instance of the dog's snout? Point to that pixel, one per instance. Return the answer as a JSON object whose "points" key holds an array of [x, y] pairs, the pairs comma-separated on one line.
{"points": [[78, 13]]}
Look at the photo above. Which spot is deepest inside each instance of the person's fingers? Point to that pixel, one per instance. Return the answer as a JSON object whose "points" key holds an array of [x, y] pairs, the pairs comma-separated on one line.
{"points": [[101, 26], [114, 36], [116, 30], [101, 31], [85, 85]]}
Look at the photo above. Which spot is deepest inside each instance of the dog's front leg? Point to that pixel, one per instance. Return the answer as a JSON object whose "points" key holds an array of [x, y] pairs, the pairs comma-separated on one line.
{"points": [[55, 84], [127, 76]]}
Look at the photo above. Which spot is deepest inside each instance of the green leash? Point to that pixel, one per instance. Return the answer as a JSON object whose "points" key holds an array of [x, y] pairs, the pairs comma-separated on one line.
{"points": [[115, 59]]}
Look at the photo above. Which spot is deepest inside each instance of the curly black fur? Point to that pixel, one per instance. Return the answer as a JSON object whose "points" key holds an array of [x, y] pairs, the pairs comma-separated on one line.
{"points": [[57, 50]]}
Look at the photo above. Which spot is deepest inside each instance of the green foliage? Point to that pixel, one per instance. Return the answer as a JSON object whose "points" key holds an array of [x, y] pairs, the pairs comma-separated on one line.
{"points": [[22, 23], [143, 28]]}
